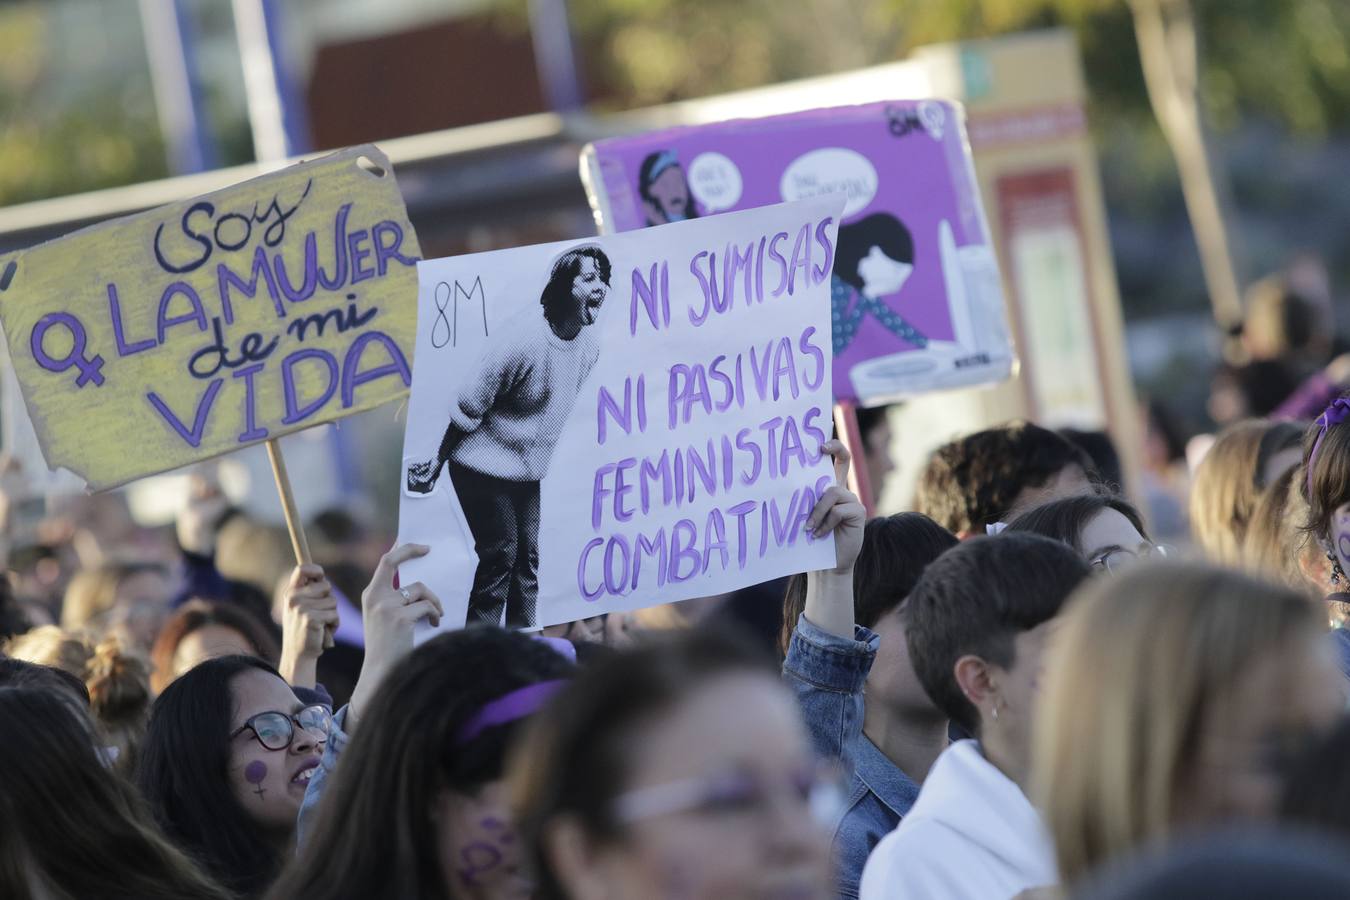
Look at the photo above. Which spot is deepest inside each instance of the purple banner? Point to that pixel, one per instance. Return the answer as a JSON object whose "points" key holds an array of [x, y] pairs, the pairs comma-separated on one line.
{"points": [[916, 299]]}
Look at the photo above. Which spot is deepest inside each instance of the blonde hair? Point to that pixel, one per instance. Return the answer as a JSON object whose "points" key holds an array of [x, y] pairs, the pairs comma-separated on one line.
{"points": [[1277, 546], [89, 598], [1133, 674], [92, 594], [1226, 488], [119, 697], [118, 682], [49, 645], [254, 553]]}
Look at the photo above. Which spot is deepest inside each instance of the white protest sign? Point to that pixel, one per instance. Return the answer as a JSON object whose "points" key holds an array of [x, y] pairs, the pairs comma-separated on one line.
{"points": [[612, 423]]}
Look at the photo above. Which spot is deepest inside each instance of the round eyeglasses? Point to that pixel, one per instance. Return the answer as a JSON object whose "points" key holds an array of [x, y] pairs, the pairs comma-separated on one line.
{"points": [[736, 793], [1113, 559], [276, 730]]}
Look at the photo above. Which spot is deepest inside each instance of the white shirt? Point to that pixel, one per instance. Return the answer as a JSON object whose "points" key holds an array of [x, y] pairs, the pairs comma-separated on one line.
{"points": [[972, 833]]}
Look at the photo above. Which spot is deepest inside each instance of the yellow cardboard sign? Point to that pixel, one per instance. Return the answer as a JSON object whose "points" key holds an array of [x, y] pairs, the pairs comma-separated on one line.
{"points": [[159, 339]]}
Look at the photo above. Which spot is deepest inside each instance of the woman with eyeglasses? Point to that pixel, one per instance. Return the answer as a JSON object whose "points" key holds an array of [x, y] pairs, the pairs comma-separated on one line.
{"points": [[683, 768], [1105, 529], [231, 749], [677, 769], [225, 763]]}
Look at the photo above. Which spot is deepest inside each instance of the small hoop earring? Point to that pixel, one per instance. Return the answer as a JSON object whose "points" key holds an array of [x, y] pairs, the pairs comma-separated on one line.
{"points": [[995, 711]]}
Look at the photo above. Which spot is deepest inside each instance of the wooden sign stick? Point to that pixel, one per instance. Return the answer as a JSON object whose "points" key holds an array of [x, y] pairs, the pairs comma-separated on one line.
{"points": [[294, 524]]}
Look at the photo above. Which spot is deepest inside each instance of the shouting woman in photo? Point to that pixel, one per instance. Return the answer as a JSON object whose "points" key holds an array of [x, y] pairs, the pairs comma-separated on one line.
{"points": [[504, 425]]}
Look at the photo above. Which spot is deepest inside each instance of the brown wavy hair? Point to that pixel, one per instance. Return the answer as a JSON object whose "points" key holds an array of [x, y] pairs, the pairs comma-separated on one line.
{"points": [[197, 614]]}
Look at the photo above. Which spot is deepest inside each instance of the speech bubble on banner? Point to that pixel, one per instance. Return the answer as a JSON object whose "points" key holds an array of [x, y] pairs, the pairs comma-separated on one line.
{"points": [[156, 340], [831, 170], [914, 318], [715, 181]]}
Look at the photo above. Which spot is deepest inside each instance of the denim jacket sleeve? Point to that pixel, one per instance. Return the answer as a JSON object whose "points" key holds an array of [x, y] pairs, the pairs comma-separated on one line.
{"points": [[337, 740], [827, 673]]}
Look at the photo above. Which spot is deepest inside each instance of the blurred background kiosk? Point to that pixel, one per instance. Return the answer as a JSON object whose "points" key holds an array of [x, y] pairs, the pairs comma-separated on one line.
{"points": [[514, 181]]}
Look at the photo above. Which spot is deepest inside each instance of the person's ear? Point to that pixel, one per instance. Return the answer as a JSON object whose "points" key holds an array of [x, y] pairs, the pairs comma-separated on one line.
{"points": [[572, 855], [976, 680]]}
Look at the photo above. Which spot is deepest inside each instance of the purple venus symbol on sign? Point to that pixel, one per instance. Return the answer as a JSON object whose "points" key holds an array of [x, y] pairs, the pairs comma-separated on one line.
{"points": [[88, 366]]}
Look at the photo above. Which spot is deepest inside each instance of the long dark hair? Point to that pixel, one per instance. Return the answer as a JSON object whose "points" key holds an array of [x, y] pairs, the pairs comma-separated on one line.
{"points": [[558, 292], [183, 774], [71, 827], [1065, 519], [374, 836], [577, 755], [856, 240], [895, 551], [16, 673]]}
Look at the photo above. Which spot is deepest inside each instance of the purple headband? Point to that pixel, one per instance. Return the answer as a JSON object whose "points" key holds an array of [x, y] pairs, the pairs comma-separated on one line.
{"points": [[508, 708], [1335, 414]]}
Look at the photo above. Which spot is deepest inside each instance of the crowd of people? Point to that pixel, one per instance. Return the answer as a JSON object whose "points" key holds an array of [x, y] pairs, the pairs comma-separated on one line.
{"points": [[1011, 691]]}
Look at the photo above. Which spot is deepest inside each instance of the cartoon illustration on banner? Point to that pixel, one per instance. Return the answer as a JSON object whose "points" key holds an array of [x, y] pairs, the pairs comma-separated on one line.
{"points": [[917, 304]]}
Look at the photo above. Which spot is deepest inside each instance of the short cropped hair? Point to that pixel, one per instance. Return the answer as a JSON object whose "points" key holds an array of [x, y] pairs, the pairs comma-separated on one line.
{"points": [[972, 482], [975, 599], [895, 551]]}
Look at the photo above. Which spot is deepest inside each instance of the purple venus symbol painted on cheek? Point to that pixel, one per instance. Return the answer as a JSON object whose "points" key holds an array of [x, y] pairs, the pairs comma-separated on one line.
{"points": [[478, 858], [255, 773], [1343, 536], [491, 823]]}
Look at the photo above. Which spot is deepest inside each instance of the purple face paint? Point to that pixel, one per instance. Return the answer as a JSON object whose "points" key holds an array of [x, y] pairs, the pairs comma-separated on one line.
{"points": [[255, 773], [494, 824], [1342, 536], [478, 859]]}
